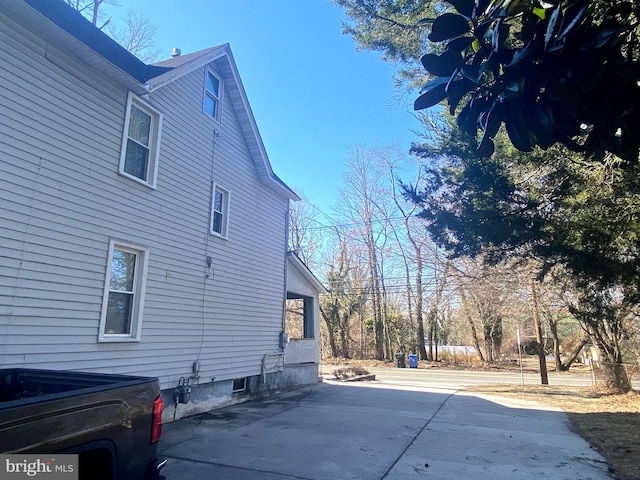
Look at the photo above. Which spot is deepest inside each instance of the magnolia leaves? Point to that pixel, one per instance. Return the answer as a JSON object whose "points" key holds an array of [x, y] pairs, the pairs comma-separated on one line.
{"points": [[546, 70]]}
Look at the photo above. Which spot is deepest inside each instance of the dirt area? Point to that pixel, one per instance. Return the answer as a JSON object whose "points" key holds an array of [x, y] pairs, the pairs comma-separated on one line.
{"points": [[609, 422]]}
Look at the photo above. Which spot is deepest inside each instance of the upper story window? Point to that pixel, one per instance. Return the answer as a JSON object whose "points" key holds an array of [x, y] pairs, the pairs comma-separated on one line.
{"points": [[123, 302], [220, 211], [141, 142], [212, 95]]}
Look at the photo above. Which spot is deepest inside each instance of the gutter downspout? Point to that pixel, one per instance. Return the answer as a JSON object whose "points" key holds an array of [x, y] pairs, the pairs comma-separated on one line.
{"points": [[286, 264], [283, 340]]}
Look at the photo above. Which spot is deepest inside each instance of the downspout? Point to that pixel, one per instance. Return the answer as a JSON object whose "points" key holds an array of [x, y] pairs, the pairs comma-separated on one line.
{"points": [[283, 340], [286, 264]]}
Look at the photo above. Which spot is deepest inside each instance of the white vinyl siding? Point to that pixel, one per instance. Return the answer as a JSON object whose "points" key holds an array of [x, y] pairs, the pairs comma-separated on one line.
{"points": [[63, 200], [141, 142], [123, 301]]}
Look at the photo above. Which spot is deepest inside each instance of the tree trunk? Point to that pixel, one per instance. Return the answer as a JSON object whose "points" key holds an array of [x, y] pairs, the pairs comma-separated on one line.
{"points": [[553, 326], [330, 333], [420, 335], [472, 326], [435, 340], [488, 342], [419, 302], [432, 315], [413, 347], [573, 356], [615, 373], [362, 333], [344, 338], [544, 378], [378, 321]]}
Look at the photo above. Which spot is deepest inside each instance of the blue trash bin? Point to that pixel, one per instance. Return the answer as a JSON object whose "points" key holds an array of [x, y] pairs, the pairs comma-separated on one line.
{"points": [[413, 360]]}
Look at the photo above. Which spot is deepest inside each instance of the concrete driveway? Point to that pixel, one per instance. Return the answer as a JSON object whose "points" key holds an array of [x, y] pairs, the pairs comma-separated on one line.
{"points": [[335, 431]]}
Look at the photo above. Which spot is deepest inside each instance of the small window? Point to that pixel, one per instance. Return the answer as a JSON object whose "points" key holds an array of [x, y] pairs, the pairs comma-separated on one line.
{"points": [[240, 385], [220, 211], [123, 301], [141, 141], [212, 95]]}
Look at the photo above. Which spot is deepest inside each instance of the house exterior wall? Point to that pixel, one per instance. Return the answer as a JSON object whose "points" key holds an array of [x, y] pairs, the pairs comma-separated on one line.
{"points": [[62, 201], [303, 350]]}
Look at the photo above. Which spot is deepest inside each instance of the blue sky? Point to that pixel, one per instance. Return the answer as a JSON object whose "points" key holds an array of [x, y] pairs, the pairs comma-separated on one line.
{"points": [[312, 93]]}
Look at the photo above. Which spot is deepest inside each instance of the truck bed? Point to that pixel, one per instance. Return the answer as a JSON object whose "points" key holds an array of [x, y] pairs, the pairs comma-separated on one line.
{"points": [[23, 383], [111, 421]]}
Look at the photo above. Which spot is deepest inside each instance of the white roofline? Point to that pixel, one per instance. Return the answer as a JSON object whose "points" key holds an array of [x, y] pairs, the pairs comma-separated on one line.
{"points": [[204, 59], [304, 270]]}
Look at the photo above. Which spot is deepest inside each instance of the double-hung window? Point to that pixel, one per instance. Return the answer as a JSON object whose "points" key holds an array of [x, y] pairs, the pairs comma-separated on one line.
{"points": [[212, 95], [140, 142], [220, 211], [123, 302]]}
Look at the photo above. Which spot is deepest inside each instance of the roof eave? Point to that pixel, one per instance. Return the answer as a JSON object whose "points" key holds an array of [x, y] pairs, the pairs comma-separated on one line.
{"points": [[248, 122], [306, 272], [83, 39]]}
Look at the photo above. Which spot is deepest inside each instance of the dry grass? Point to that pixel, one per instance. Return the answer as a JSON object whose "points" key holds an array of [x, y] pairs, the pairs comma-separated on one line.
{"points": [[609, 422]]}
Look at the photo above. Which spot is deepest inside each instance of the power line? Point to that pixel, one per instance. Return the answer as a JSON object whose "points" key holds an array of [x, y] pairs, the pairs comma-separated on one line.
{"points": [[345, 225]]}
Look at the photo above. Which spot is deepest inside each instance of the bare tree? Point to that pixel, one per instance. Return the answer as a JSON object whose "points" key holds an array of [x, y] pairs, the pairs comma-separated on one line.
{"points": [[304, 237], [135, 32], [359, 204], [344, 300], [92, 10], [484, 292], [414, 262]]}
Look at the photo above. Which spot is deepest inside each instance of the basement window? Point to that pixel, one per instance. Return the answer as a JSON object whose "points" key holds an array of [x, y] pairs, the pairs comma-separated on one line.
{"points": [[239, 385]]}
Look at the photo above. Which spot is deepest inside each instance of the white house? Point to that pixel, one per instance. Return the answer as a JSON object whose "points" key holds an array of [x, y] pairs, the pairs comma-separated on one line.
{"points": [[142, 229]]}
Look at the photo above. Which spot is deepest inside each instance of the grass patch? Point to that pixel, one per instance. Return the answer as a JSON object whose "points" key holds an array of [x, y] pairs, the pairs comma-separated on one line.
{"points": [[609, 422]]}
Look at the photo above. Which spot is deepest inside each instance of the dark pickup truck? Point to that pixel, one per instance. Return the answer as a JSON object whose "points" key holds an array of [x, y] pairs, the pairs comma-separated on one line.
{"points": [[113, 422]]}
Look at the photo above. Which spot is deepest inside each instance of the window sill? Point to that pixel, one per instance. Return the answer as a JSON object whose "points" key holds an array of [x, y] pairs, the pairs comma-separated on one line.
{"points": [[117, 339], [137, 180]]}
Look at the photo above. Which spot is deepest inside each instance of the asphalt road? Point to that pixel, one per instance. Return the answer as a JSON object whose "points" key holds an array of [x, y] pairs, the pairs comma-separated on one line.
{"points": [[456, 379]]}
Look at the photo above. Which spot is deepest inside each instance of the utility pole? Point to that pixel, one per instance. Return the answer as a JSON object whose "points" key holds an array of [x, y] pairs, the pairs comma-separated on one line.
{"points": [[544, 378]]}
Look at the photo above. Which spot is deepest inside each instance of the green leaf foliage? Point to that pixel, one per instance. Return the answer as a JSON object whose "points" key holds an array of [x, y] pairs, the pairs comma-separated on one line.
{"points": [[564, 72], [397, 29], [448, 26], [549, 204]]}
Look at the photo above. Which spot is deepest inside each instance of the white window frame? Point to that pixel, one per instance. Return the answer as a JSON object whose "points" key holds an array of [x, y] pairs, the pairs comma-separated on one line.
{"points": [[218, 100], [154, 141], [239, 389], [226, 207], [139, 286]]}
